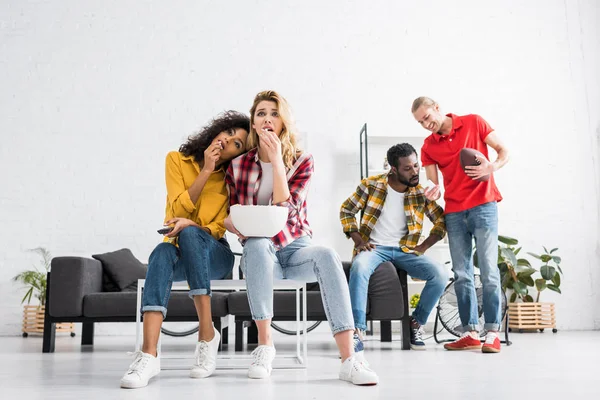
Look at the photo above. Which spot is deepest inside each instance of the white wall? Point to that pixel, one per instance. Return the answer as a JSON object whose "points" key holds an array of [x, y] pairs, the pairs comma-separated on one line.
{"points": [[93, 94]]}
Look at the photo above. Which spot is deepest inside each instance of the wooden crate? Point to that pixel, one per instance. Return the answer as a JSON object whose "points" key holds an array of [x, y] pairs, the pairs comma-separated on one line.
{"points": [[33, 321], [531, 316]]}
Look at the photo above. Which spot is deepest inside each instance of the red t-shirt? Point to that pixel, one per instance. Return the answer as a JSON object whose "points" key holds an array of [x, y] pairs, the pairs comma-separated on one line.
{"points": [[461, 192]]}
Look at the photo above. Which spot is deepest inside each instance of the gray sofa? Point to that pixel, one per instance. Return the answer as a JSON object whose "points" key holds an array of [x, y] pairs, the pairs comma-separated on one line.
{"points": [[76, 292]]}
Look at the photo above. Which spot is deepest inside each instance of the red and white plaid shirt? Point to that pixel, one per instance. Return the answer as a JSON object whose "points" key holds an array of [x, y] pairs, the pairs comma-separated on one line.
{"points": [[243, 178]]}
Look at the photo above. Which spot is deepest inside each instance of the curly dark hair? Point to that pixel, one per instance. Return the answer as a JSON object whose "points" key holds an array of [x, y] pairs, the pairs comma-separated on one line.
{"points": [[198, 142], [399, 150]]}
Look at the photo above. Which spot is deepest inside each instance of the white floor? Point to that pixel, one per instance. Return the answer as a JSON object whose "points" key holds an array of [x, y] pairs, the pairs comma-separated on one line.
{"points": [[537, 365]]}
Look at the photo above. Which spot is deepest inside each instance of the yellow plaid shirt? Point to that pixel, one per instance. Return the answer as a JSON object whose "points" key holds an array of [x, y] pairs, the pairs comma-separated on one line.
{"points": [[370, 196]]}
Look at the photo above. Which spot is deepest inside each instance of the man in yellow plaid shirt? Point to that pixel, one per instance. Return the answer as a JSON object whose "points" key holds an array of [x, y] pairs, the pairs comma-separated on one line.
{"points": [[394, 206]]}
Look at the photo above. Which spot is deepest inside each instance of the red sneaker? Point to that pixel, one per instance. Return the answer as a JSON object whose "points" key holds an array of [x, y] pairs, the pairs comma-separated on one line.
{"points": [[491, 345], [466, 342]]}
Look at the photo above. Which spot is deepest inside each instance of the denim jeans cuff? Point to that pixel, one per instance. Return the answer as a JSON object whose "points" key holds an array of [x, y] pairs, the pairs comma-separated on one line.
{"points": [[162, 309], [261, 318], [198, 292], [419, 320], [335, 331], [491, 327], [470, 328], [359, 326]]}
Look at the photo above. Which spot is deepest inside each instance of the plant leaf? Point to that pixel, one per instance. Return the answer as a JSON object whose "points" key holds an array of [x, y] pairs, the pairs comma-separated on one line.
{"points": [[528, 299], [535, 255], [508, 240], [509, 257], [545, 249], [523, 262], [540, 284], [526, 279], [556, 259], [520, 288], [554, 288], [558, 266], [556, 280], [545, 258], [553, 250], [513, 297], [526, 272], [547, 272]]}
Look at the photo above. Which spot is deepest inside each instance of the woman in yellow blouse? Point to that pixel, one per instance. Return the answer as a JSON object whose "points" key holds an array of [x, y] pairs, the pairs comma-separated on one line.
{"points": [[195, 249]]}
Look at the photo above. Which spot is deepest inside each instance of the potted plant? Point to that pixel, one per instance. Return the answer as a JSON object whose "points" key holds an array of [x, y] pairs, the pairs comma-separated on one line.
{"points": [[35, 282], [517, 275]]}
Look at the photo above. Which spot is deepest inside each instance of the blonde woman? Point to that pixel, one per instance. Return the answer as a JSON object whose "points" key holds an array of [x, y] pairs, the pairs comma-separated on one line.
{"points": [[282, 173]]}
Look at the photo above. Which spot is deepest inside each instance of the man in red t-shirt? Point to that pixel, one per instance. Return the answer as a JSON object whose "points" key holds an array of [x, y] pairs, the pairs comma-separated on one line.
{"points": [[471, 212]]}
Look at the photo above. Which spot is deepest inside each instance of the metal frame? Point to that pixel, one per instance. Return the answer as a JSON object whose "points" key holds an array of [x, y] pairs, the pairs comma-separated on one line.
{"points": [[299, 359]]}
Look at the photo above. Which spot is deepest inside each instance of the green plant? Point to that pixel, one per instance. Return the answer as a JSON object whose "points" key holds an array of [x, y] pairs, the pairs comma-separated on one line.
{"points": [[414, 300], [548, 272], [35, 279], [517, 273]]}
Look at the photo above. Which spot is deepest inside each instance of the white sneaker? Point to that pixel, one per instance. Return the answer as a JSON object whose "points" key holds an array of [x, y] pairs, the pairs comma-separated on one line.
{"points": [[206, 357], [355, 371], [144, 367], [261, 366]]}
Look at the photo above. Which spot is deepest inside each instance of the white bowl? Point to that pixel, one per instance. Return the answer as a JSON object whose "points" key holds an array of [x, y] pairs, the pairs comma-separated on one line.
{"points": [[258, 221]]}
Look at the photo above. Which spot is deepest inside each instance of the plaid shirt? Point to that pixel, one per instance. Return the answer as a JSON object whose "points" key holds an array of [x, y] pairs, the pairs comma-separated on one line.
{"points": [[370, 196], [243, 178]]}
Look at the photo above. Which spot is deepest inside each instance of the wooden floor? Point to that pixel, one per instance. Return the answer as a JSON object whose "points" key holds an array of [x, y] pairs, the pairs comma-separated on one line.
{"points": [[565, 365]]}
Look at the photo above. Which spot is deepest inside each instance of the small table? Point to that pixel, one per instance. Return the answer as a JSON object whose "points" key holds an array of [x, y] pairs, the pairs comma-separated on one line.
{"points": [[299, 360]]}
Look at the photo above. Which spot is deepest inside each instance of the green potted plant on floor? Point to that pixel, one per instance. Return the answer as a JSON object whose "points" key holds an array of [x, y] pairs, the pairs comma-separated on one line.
{"points": [[35, 281], [517, 276]]}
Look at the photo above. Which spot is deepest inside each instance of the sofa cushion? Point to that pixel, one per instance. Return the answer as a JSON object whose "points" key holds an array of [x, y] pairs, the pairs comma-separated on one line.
{"points": [[122, 304], [122, 268]]}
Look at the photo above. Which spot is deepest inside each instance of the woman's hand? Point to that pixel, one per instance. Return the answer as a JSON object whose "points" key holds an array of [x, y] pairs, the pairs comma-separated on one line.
{"points": [[272, 145], [212, 155], [178, 225], [231, 228]]}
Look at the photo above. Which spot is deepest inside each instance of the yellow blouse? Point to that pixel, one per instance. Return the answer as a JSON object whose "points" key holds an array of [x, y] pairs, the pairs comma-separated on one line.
{"points": [[211, 208]]}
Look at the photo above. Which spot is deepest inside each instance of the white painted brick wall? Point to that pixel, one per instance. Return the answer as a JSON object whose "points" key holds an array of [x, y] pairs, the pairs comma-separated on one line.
{"points": [[93, 95]]}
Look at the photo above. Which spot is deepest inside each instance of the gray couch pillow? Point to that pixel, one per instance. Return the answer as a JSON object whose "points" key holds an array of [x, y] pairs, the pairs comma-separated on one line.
{"points": [[122, 268]]}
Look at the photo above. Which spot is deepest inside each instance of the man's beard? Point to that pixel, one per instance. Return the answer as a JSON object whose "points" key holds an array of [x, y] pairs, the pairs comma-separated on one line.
{"points": [[407, 182]]}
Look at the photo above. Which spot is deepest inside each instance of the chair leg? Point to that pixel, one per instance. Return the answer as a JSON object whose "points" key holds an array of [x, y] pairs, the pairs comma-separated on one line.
{"points": [[386, 331], [252, 333], [87, 333], [225, 335], [49, 336], [239, 335], [49, 326], [406, 333]]}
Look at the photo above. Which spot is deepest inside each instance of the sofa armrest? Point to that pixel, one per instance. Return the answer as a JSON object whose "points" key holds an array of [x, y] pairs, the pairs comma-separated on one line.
{"points": [[71, 279]]}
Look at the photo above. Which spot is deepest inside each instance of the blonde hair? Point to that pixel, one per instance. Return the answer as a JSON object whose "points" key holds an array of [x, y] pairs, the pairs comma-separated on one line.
{"points": [[420, 101], [289, 148]]}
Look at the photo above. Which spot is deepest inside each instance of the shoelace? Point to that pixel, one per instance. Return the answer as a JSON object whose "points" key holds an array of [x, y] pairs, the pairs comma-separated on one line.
{"points": [[465, 334], [357, 365], [419, 332], [490, 338], [138, 364], [261, 356], [201, 353]]}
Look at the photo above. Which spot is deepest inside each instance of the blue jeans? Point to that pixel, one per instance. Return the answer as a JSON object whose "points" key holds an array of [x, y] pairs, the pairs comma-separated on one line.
{"points": [[301, 261], [420, 267], [199, 258], [481, 223]]}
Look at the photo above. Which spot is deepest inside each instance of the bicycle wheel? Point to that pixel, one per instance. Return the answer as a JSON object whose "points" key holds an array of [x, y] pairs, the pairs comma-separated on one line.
{"points": [[289, 327], [447, 309], [179, 329]]}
